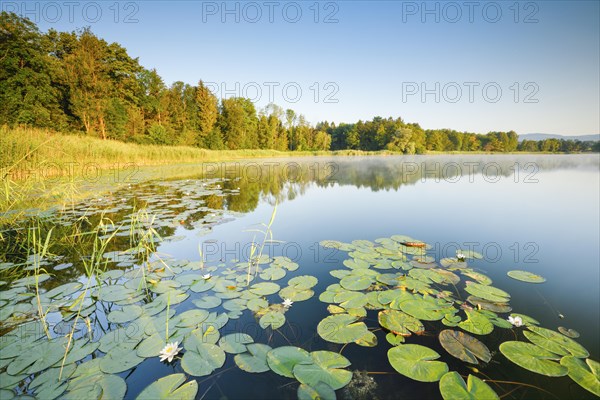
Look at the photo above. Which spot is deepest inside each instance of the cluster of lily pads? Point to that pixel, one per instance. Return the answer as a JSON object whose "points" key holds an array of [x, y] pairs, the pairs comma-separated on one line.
{"points": [[409, 289], [95, 328]]}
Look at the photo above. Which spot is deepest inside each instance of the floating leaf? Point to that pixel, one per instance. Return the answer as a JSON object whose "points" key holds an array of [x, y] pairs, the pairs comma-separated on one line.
{"points": [[452, 387], [290, 292], [486, 292], [38, 357], [282, 360], [353, 282], [272, 274], [399, 322], [326, 367], [264, 288], [556, 341], [321, 391], [303, 282], [586, 375], [272, 319], [464, 347], [533, 358], [235, 343], [428, 309], [476, 323], [526, 276], [255, 359], [572, 333], [341, 328], [126, 314], [202, 359], [170, 387], [416, 362], [393, 339]]}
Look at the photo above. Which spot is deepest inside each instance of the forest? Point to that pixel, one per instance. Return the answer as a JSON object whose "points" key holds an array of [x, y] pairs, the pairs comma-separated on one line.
{"points": [[76, 82]]}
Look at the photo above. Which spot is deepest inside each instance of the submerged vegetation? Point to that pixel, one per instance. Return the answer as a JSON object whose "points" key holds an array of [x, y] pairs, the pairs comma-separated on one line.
{"points": [[87, 297]]}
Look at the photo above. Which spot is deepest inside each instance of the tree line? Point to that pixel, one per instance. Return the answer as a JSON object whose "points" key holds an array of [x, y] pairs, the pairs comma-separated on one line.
{"points": [[76, 81]]}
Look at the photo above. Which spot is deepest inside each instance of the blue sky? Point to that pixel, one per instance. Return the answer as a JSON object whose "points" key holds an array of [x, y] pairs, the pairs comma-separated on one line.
{"points": [[532, 67]]}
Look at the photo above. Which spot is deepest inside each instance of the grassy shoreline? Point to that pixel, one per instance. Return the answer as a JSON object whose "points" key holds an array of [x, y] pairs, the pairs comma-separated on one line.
{"points": [[41, 168]]}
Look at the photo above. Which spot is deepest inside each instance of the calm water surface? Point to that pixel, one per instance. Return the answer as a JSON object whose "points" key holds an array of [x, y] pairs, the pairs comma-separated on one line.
{"points": [[536, 213]]}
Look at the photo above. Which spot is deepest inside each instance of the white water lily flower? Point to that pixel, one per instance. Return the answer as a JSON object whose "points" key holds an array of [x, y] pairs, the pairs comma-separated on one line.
{"points": [[287, 303], [516, 321], [460, 256], [170, 351], [206, 276]]}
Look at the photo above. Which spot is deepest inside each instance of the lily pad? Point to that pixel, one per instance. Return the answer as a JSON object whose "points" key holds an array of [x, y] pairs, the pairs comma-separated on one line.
{"points": [[452, 387], [399, 323], [587, 374], [526, 276], [464, 347], [235, 343], [202, 359], [487, 292], [476, 323], [327, 367], [170, 387], [255, 359], [272, 319], [341, 328], [417, 362], [321, 391], [533, 358], [264, 288], [282, 360], [572, 333], [126, 314], [557, 341]]}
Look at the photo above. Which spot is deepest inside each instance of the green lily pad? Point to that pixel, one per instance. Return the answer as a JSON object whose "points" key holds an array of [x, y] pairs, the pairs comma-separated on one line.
{"points": [[526, 276], [464, 347], [294, 294], [428, 309], [321, 391], [417, 362], [272, 319], [202, 359], [96, 386], [487, 292], [533, 358], [282, 360], [452, 387], [341, 328], [170, 387], [264, 288], [303, 282], [151, 346], [399, 323], [353, 282], [38, 357], [272, 274], [257, 304], [120, 358], [235, 343], [207, 302], [393, 339], [556, 341], [327, 367], [125, 314], [476, 323], [587, 374], [255, 359]]}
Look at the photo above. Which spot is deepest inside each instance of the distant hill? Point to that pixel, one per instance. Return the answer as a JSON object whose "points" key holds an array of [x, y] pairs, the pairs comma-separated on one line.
{"points": [[542, 136]]}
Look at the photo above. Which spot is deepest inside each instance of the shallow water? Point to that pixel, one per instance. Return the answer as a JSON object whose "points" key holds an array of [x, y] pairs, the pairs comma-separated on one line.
{"points": [[535, 213]]}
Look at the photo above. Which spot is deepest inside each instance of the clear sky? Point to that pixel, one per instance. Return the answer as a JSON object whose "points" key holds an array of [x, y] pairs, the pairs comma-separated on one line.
{"points": [[530, 66]]}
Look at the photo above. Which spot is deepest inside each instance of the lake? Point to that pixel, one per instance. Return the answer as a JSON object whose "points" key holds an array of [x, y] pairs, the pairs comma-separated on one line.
{"points": [[381, 223]]}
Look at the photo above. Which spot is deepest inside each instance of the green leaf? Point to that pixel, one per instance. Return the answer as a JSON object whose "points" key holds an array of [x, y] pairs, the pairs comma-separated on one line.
{"points": [[572, 333], [526, 276], [264, 288], [533, 358], [416, 362], [202, 359], [453, 387], [282, 360], [353, 282], [399, 322], [556, 341], [464, 347], [326, 367], [486, 292], [428, 309], [476, 323], [272, 319], [303, 282], [341, 328], [321, 391], [586, 375], [235, 343], [255, 359], [170, 387], [125, 314]]}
